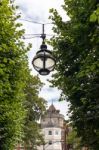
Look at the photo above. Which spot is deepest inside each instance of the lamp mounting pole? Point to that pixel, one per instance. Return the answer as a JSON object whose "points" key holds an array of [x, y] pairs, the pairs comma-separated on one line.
{"points": [[43, 35]]}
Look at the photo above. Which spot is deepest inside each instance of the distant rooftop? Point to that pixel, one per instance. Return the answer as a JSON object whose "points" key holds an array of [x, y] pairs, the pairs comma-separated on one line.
{"points": [[52, 109], [52, 118]]}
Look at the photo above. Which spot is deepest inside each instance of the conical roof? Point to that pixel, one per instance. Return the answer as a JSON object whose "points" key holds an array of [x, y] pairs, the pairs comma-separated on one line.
{"points": [[52, 108]]}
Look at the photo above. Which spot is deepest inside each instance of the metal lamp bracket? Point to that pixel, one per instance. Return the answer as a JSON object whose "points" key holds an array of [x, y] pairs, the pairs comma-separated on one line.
{"points": [[43, 35]]}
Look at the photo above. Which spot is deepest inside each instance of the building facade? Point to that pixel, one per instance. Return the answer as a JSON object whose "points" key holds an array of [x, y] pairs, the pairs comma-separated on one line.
{"points": [[52, 126], [55, 132]]}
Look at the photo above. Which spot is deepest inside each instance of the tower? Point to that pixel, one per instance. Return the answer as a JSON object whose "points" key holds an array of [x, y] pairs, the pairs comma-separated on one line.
{"points": [[52, 125]]}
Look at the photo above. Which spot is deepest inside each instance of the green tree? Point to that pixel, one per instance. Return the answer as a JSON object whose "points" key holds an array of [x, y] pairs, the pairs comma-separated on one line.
{"points": [[76, 50], [73, 141], [95, 15], [35, 107], [13, 65]]}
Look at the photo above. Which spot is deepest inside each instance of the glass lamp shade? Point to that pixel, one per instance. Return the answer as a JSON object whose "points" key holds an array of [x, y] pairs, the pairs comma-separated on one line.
{"points": [[43, 62]]}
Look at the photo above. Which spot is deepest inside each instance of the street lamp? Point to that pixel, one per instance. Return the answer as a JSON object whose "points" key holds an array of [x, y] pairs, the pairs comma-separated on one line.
{"points": [[43, 62]]}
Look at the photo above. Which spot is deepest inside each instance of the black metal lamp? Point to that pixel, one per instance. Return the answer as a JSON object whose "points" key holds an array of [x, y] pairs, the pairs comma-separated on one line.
{"points": [[43, 62]]}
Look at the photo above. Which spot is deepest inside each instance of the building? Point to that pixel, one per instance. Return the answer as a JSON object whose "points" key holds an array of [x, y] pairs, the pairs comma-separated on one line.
{"points": [[52, 126], [53, 130]]}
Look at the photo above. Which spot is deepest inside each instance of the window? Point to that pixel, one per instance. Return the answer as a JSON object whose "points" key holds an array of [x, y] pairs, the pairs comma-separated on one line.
{"points": [[50, 142], [50, 132], [56, 133]]}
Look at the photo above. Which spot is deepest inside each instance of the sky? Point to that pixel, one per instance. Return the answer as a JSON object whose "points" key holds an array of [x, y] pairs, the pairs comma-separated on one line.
{"points": [[38, 11]]}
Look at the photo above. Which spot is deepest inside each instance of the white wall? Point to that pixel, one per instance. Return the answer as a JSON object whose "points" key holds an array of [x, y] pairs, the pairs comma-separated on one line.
{"points": [[55, 138]]}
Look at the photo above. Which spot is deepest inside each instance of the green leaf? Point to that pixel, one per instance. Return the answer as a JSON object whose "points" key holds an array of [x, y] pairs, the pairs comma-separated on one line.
{"points": [[93, 17]]}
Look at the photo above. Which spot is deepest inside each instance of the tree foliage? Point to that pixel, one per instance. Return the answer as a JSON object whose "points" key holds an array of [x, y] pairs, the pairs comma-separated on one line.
{"points": [[73, 141], [13, 65], [35, 107], [76, 50], [20, 105]]}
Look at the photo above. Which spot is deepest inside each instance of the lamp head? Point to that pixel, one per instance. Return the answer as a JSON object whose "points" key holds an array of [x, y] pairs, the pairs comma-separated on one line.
{"points": [[43, 62]]}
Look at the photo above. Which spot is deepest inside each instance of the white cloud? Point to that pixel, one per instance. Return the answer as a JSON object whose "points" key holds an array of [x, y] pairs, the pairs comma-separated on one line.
{"points": [[50, 94], [38, 10]]}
